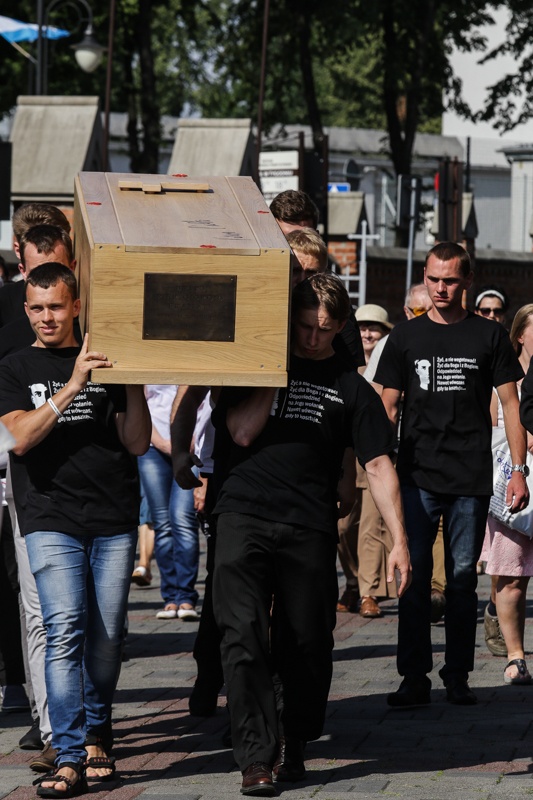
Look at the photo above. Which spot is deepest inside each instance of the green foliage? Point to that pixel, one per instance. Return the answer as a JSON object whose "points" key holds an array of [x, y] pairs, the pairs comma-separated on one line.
{"points": [[380, 64]]}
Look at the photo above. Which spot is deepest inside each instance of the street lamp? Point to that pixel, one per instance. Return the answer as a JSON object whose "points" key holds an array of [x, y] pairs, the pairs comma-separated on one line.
{"points": [[88, 52]]}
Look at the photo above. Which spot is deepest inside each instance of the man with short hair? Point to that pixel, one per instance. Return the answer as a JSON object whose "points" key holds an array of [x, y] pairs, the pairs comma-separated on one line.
{"points": [[294, 209], [282, 451], [38, 245], [38, 235], [310, 252], [446, 363], [76, 493], [28, 215]]}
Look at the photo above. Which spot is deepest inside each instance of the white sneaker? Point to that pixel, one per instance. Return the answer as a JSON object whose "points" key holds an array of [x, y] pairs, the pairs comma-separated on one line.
{"points": [[167, 613], [188, 613]]}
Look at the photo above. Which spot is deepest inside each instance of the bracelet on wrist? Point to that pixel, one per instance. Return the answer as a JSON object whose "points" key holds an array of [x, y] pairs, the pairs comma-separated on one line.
{"points": [[55, 409]]}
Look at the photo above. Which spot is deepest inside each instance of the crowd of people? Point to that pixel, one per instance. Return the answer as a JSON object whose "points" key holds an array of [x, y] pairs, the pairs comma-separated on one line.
{"points": [[378, 452]]}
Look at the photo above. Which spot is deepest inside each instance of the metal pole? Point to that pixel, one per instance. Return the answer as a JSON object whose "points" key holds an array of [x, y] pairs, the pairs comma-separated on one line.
{"points": [[362, 264], [383, 210], [412, 227], [262, 84], [105, 143], [39, 66]]}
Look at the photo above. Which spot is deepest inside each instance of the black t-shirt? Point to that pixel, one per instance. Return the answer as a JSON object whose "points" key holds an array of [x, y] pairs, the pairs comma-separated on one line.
{"points": [[80, 479], [290, 472], [447, 373]]}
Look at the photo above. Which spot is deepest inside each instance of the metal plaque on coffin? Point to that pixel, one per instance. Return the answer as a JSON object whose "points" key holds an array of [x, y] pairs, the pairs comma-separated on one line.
{"points": [[197, 308]]}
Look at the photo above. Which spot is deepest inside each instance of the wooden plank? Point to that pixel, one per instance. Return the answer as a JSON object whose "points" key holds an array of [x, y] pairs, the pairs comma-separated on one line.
{"points": [[166, 185], [258, 215], [188, 377], [97, 210], [182, 222], [190, 186], [130, 185]]}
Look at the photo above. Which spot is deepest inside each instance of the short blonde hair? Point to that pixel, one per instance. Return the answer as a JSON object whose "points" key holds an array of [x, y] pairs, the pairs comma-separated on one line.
{"points": [[309, 242]]}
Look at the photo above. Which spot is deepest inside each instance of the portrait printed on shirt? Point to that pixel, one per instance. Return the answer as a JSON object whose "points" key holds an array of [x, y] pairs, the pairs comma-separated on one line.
{"points": [[38, 394]]}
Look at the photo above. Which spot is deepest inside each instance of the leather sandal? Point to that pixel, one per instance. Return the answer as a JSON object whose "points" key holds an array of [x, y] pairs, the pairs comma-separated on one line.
{"points": [[523, 678], [74, 787], [99, 762]]}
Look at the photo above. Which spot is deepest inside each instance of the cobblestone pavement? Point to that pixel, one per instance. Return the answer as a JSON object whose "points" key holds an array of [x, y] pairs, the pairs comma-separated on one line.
{"points": [[441, 752]]}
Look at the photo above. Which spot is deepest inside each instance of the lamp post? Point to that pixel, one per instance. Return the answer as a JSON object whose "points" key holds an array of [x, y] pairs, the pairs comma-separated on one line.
{"points": [[88, 52]]}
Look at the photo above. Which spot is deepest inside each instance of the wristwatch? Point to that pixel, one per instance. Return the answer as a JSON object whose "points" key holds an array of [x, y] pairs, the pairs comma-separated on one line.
{"points": [[523, 468]]}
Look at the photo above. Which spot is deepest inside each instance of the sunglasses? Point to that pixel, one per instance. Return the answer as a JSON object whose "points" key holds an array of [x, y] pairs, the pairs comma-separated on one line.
{"points": [[417, 310], [486, 312]]}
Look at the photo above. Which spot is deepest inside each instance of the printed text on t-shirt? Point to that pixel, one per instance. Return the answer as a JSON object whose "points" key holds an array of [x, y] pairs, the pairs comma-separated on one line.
{"points": [[305, 401]]}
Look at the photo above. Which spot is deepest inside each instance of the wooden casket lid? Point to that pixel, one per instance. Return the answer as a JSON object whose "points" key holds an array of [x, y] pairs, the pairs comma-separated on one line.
{"points": [[176, 214]]}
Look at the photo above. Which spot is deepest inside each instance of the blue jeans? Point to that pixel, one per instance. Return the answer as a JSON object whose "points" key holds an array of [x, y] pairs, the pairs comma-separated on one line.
{"points": [[175, 525], [464, 521], [83, 584]]}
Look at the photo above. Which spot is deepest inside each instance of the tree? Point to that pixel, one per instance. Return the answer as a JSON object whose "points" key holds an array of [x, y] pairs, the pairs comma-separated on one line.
{"points": [[153, 72], [379, 64], [509, 101]]}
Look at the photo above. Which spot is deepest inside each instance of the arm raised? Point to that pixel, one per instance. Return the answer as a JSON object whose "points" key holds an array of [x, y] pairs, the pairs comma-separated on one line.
{"points": [[29, 428]]}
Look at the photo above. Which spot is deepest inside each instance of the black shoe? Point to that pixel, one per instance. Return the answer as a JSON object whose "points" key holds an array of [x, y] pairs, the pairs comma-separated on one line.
{"points": [[32, 738], [459, 692], [289, 765], [414, 691], [204, 698]]}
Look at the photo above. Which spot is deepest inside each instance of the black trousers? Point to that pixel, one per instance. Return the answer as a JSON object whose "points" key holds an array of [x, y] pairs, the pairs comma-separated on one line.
{"points": [[257, 562], [207, 644]]}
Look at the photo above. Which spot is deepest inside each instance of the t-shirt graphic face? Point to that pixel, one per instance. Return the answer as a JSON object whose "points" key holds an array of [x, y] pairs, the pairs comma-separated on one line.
{"points": [[38, 394]]}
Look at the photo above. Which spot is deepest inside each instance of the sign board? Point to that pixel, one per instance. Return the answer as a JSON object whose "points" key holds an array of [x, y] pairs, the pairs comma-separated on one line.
{"points": [[278, 171], [339, 187]]}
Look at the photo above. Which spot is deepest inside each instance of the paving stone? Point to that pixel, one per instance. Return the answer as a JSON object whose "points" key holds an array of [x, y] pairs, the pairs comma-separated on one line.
{"points": [[368, 751]]}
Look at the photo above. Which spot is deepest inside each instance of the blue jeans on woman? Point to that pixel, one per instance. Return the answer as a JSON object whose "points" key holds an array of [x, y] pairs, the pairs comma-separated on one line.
{"points": [[176, 528], [83, 584]]}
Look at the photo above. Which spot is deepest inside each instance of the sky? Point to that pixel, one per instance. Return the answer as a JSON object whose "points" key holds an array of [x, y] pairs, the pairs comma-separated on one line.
{"points": [[475, 79]]}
